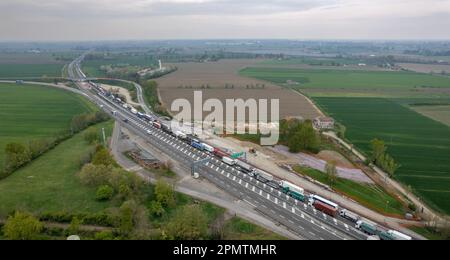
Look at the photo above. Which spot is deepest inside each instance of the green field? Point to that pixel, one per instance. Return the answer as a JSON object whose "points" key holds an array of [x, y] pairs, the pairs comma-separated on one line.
{"points": [[30, 70], [33, 112], [370, 196], [344, 79], [49, 183], [420, 144]]}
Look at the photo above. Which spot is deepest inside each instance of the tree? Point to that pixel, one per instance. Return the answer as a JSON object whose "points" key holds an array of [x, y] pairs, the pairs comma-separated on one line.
{"points": [[127, 211], [381, 158], [22, 226], [74, 227], [103, 157], [331, 172], [164, 193], [189, 223], [104, 192], [156, 209], [38, 147], [104, 235], [378, 149], [303, 137], [341, 130], [16, 155], [95, 175]]}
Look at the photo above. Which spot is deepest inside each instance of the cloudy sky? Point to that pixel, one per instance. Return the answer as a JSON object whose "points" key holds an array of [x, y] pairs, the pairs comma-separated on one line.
{"points": [[44, 20]]}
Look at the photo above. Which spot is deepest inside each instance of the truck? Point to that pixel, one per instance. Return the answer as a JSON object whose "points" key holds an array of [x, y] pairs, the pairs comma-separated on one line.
{"points": [[384, 235], [262, 175], [398, 236], [228, 160], [314, 198], [191, 139], [180, 135], [349, 215], [166, 128], [208, 148], [367, 227], [293, 190], [157, 125], [197, 145], [243, 166], [325, 208], [219, 153]]}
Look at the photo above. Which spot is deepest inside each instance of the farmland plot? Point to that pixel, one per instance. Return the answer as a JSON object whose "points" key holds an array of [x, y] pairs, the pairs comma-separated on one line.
{"points": [[221, 80], [420, 144]]}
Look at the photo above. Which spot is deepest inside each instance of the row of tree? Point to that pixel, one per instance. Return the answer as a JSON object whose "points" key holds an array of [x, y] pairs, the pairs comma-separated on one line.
{"points": [[18, 154], [381, 158]]}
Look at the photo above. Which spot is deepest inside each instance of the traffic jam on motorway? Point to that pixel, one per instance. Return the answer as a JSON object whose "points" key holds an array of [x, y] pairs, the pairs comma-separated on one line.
{"points": [[318, 203]]}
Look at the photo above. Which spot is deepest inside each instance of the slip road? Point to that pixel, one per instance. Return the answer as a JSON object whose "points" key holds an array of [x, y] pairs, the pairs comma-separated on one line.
{"points": [[226, 250]]}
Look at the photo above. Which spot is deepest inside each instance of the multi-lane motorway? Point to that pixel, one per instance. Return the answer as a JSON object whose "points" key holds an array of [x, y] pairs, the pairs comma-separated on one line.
{"points": [[297, 216]]}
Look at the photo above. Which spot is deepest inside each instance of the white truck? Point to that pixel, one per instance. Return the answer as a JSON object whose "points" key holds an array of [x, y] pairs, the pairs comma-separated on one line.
{"points": [[229, 161], [398, 236], [349, 215], [291, 187], [244, 166], [180, 135], [208, 148]]}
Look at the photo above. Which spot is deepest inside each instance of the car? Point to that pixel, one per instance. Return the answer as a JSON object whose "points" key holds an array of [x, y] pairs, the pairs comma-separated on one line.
{"points": [[125, 120]]}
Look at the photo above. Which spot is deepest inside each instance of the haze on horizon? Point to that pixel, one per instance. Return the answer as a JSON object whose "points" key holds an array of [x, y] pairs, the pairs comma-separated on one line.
{"points": [[87, 20]]}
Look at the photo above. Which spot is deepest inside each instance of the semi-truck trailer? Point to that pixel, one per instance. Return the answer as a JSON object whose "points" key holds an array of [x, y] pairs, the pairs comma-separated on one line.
{"points": [[180, 135], [349, 215], [314, 198], [166, 128], [228, 160], [367, 227], [398, 236], [243, 166], [219, 153], [263, 176], [208, 148], [325, 208], [197, 145], [293, 190]]}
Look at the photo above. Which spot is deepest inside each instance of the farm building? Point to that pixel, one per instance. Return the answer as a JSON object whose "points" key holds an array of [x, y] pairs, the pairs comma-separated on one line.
{"points": [[322, 123]]}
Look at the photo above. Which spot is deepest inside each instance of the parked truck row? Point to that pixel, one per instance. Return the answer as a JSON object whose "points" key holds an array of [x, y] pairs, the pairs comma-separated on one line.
{"points": [[319, 203]]}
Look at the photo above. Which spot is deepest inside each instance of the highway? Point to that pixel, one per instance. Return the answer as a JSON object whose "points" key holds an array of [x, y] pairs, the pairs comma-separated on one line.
{"points": [[297, 216]]}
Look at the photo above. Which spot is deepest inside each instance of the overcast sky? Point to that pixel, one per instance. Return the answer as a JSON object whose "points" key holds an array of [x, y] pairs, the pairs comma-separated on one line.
{"points": [[45, 20]]}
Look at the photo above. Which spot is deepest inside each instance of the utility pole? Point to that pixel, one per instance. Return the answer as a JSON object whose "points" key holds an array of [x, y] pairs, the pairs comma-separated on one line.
{"points": [[104, 136]]}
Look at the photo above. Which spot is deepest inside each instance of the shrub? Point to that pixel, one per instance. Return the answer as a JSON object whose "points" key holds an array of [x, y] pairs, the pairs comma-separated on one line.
{"points": [[22, 226], [91, 136], [104, 235], [104, 193]]}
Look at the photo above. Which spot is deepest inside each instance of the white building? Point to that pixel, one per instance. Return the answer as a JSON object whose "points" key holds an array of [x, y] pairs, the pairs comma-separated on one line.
{"points": [[323, 123]]}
